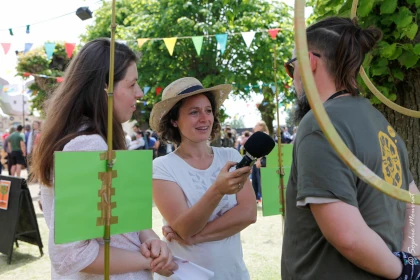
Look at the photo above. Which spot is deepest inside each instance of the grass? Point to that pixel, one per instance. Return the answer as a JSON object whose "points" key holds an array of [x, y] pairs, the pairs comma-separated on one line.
{"points": [[261, 247]]}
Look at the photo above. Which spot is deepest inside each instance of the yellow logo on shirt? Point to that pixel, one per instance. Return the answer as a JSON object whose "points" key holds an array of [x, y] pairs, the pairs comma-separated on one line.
{"points": [[391, 164]]}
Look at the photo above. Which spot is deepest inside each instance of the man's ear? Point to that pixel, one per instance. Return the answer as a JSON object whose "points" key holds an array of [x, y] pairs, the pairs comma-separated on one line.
{"points": [[313, 60]]}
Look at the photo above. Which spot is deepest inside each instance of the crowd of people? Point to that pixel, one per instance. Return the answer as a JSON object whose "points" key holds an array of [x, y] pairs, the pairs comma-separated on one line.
{"points": [[336, 226]]}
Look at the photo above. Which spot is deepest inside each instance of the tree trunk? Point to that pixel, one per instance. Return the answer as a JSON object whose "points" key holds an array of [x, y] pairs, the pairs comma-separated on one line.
{"points": [[266, 109], [407, 127]]}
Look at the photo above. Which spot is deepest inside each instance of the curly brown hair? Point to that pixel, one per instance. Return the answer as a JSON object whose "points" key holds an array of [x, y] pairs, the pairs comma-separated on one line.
{"points": [[169, 133]]}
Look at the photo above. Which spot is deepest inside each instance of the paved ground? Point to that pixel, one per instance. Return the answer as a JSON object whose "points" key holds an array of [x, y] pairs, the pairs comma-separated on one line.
{"points": [[261, 247]]}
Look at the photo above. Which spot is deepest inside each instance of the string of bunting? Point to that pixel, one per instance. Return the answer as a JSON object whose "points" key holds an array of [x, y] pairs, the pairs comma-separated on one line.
{"points": [[159, 90], [222, 40]]}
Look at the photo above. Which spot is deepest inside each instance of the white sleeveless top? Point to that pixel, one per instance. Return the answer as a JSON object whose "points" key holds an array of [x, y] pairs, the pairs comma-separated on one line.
{"points": [[223, 257]]}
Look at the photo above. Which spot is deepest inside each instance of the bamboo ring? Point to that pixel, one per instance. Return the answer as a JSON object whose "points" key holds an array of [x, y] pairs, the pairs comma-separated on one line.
{"points": [[374, 90], [362, 171]]}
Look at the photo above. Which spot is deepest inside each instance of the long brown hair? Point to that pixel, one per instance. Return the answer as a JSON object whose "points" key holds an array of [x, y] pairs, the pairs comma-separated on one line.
{"points": [[343, 44], [79, 104]]}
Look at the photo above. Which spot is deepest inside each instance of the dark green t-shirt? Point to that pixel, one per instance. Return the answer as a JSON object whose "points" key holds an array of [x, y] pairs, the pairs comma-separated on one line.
{"points": [[14, 139], [317, 171]]}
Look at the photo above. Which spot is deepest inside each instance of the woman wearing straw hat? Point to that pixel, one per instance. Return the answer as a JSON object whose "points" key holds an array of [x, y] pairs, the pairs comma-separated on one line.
{"points": [[203, 203], [133, 255]]}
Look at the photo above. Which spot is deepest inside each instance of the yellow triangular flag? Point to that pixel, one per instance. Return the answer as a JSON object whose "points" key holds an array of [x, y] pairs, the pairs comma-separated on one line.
{"points": [[141, 41], [170, 44]]}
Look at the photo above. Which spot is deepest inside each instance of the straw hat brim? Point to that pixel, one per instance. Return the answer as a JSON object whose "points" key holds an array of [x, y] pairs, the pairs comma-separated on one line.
{"points": [[161, 108]]}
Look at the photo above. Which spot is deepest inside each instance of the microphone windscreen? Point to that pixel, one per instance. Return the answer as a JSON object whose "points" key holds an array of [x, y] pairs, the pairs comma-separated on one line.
{"points": [[259, 144]]}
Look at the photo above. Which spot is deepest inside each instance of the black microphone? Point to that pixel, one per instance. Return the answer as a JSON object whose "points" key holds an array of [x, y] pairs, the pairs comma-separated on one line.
{"points": [[257, 146]]}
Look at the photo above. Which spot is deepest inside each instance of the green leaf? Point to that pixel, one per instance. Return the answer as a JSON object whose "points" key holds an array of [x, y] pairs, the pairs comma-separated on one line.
{"points": [[408, 59], [403, 18], [392, 97], [397, 53], [398, 74], [365, 7], [416, 49], [378, 70], [412, 31], [417, 3], [388, 6], [389, 50]]}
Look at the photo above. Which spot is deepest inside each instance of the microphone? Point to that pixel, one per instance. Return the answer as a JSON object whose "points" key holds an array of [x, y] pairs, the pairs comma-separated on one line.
{"points": [[257, 146]]}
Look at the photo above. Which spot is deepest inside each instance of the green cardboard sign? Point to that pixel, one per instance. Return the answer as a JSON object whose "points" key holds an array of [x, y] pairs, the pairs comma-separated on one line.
{"points": [[270, 180], [76, 194]]}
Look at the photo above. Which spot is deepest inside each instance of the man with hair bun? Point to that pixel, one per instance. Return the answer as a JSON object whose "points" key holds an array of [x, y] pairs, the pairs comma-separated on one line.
{"points": [[337, 226]]}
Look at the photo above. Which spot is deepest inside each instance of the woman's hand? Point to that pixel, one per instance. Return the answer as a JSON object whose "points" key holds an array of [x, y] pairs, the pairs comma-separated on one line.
{"points": [[231, 182], [170, 235], [258, 163], [157, 250], [169, 271]]}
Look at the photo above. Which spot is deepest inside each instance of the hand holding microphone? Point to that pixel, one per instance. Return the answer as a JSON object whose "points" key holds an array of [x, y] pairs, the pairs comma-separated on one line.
{"points": [[231, 182], [257, 146]]}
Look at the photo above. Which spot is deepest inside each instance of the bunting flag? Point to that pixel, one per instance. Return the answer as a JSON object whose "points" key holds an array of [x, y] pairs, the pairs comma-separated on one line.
{"points": [[6, 47], [248, 37], [170, 44], [49, 49], [27, 29], [11, 31], [158, 90], [27, 74], [146, 90], [273, 32], [28, 47], [273, 88], [198, 43], [141, 41], [69, 49], [222, 40]]}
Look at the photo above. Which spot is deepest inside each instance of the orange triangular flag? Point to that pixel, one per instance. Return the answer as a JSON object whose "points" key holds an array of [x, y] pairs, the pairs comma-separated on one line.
{"points": [[141, 41], [170, 44], [273, 32]]}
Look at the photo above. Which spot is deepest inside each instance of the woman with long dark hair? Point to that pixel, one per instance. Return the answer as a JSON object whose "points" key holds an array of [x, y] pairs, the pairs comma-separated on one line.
{"points": [[77, 121]]}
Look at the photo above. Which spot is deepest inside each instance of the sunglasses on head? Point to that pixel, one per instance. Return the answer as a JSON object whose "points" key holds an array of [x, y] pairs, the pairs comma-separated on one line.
{"points": [[290, 68]]}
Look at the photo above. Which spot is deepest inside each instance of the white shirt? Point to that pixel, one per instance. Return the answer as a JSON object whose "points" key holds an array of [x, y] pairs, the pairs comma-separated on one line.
{"points": [[223, 257]]}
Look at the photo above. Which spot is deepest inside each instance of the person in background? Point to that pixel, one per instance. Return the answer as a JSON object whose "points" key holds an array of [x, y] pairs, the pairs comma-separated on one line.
{"points": [[16, 145], [256, 172], [7, 150], [83, 92], [139, 143]]}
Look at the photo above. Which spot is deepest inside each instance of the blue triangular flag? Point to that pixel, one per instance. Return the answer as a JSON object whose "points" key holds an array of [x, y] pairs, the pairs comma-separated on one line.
{"points": [[273, 88], [28, 46], [49, 49], [146, 90], [222, 40]]}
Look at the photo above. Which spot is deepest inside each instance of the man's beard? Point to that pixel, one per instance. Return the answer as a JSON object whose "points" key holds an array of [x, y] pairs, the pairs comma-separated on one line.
{"points": [[302, 106]]}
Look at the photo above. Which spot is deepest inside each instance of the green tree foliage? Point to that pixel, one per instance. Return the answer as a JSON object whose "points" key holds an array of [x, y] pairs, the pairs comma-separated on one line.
{"points": [[36, 62], [174, 18]]}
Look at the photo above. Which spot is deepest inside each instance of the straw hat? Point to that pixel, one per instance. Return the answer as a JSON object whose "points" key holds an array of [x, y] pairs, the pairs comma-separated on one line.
{"points": [[183, 88]]}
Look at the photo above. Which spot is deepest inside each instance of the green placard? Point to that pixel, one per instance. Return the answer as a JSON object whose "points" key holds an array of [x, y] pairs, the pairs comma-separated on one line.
{"points": [[76, 194], [270, 180], [287, 156]]}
